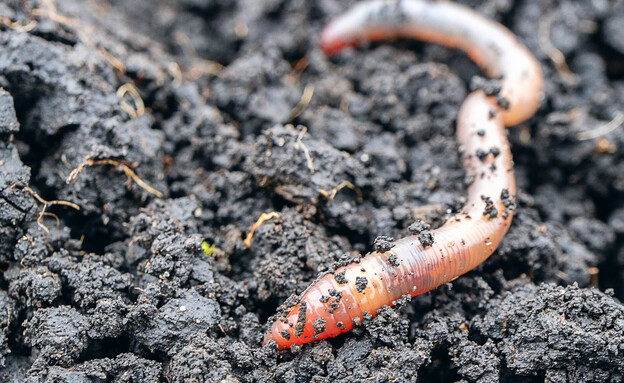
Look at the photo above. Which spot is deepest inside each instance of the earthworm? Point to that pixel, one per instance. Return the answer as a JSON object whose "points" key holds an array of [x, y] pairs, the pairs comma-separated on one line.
{"points": [[413, 265]]}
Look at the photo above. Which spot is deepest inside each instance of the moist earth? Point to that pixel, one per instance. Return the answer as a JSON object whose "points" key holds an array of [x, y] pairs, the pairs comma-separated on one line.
{"points": [[140, 141]]}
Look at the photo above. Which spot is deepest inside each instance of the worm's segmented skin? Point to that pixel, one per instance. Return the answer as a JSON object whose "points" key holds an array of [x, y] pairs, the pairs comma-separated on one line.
{"points": [[336, 302]]}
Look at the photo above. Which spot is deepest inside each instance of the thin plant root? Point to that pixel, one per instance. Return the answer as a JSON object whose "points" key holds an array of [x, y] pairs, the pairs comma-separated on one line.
{"points": [[593, 276], [600, 131], [331, 194], [119, 66], [44, 211], [300, 66], [555, 55], [18, 26], [264, 217], [306, 152], [136, 110], [199, 65], [125, 166], [306, 97]]}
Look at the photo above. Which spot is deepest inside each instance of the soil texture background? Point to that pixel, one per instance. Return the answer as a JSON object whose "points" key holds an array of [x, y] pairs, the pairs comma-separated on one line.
{"points": [[140, 140]]}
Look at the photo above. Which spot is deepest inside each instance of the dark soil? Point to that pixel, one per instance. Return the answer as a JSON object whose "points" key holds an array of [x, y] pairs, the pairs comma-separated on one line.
{"points": [[122, 290]]}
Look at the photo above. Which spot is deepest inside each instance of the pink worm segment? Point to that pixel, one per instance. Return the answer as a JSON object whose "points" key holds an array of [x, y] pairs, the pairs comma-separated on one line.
{"points": [[336, 302]]}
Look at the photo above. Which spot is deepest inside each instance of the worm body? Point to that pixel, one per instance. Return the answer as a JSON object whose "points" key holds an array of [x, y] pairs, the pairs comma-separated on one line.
{"points": [[338, 301]]}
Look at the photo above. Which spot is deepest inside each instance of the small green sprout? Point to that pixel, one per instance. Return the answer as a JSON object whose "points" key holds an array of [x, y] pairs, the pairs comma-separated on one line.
{"points": [[208, 248]]}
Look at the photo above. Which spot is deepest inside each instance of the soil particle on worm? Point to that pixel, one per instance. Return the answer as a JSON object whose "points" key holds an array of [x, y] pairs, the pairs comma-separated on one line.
{"points": [[340, 278], [319, 326], [227, 124], [361, 283], [383, 243], [426, 239]]}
